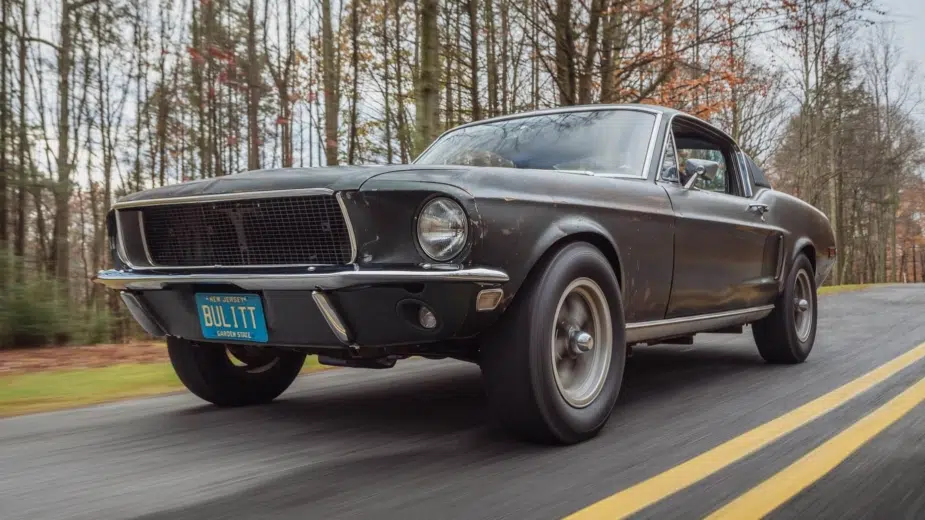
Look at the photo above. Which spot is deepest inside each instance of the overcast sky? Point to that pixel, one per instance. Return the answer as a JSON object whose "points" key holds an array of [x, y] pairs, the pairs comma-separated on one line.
{"points": [[908, 19]]}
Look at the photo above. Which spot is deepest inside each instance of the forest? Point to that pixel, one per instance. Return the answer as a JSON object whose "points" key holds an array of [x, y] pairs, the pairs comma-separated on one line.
{"points": [[100, 98]]}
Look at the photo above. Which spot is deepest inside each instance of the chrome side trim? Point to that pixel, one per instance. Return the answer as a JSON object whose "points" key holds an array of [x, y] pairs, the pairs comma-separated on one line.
{"points": [[353, 239], [649, 330], [193, 199], [142, 316], [122, 280], [331, 317]]}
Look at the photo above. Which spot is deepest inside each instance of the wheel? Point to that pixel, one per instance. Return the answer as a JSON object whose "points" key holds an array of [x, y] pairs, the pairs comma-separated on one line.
{"points": [[786, 336], [553, 367], [233, 375]]}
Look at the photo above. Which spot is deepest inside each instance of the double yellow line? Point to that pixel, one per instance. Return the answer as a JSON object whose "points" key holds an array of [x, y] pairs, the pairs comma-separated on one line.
{"points": [[767, 496]]}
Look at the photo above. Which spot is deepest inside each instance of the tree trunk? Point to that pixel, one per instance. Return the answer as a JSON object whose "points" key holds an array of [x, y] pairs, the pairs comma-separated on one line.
{"points": [[60, 243], [355, 94], [915, 277], [535, 61], [403, 133], [198, 95], [491, 62], [506, 96], [253, 91], [427, 91], [20, 246], [4, 125], [449, 58], [584, 83], [163, 107], [668, 20], [284, 88], [565, 52], [330, 79], [389, 153], [474, 59], [612, 27]]}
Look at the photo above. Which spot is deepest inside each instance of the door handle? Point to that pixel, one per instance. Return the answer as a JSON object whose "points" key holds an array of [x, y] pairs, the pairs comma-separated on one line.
{"points": [[759, 209]]}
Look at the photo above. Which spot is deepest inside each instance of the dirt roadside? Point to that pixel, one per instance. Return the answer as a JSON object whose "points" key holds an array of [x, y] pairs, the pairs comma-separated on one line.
{"points": [[26, 360]]}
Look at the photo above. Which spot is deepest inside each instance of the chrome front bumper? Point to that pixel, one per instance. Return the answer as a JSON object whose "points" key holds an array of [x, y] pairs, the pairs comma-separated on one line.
{"points": [[129, 280], [155, 317]]}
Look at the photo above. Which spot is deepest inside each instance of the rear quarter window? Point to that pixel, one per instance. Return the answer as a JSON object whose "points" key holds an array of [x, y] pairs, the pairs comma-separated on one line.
{"points": [[758, 176]]}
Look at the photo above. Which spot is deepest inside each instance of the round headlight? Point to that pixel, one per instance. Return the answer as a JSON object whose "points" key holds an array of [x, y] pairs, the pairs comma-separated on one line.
{"points": [[442, 229]]}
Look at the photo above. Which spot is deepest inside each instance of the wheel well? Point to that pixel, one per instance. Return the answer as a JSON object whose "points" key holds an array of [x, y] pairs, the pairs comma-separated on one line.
{"points": [[810, 253], [597, 240]]}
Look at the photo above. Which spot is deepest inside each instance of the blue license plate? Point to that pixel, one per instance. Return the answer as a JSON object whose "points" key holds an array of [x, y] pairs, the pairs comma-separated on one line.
{"points": [[235, 317]]}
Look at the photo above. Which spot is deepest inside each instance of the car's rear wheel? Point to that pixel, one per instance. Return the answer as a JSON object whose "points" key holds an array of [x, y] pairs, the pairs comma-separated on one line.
{"points": [[787, 335], [233, 375], [553, 368]]}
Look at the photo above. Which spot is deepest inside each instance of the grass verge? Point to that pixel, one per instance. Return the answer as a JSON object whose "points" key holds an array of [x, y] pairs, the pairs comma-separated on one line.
{"points": [[835, 289], [54, 390]]}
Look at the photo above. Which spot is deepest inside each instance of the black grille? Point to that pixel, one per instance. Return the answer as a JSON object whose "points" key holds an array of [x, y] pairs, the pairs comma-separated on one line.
{"points": [[279, 231]]}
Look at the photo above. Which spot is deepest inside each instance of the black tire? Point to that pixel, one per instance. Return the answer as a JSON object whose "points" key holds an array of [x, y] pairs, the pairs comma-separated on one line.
{"points": [[207, 371], [777, 334], [519, 364]]}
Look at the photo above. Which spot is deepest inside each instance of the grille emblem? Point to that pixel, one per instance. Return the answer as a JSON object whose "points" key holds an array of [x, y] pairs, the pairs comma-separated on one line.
{"points": [[236, 216]]}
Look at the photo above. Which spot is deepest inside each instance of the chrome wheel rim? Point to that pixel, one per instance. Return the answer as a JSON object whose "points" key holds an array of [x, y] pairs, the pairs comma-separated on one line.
{"points": [[582, 342], [253, 360], [803, 306]]}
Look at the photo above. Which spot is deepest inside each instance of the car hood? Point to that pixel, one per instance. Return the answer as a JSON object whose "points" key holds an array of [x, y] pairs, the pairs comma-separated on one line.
{"points": [[336, 178]]}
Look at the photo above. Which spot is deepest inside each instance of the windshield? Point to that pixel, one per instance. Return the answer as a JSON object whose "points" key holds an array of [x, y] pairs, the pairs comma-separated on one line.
{"points": [[597, 141]]}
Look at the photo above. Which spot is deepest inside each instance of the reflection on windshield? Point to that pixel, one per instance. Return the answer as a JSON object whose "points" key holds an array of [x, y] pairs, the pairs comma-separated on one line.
{"points": [[598, 141]]}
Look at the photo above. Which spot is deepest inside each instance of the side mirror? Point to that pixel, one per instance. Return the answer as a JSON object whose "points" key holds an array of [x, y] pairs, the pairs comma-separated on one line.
{"points": [[697, 168]]}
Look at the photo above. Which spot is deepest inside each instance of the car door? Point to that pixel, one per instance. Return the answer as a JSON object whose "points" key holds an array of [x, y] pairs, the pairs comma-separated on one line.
{"points": [[725, 252]]}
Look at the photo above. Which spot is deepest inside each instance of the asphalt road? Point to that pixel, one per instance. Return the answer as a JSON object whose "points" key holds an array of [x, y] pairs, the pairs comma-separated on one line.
{"points": [[415, 442]]}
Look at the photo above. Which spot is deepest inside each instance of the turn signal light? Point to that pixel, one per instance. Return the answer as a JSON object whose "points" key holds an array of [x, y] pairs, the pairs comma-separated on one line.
{"points": [[488, 299]]}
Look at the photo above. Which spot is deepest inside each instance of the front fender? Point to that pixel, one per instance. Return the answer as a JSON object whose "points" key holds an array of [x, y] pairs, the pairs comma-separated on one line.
{"points": [[522, 213]]}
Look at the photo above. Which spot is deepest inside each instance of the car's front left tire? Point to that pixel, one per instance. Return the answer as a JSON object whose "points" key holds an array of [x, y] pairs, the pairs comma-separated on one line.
{"points": [[233, 375], [554, 366]]}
